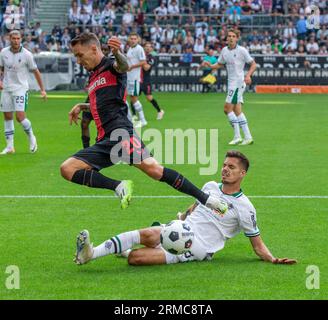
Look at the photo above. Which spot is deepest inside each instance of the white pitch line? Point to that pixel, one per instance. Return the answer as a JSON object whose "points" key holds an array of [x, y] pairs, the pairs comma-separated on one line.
{"points": [[147, 197]]}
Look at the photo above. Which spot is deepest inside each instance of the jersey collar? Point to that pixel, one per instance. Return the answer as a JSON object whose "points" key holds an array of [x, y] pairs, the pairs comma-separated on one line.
{"points": [[235, 195], [20, 50]]}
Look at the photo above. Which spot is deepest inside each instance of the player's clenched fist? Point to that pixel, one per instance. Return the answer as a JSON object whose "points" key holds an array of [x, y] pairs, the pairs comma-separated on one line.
{"points": [[114, 43]]}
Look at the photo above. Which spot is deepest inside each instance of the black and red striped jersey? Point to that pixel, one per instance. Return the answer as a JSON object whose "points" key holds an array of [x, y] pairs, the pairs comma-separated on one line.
{"points": [[146, 74], [107, 97]]}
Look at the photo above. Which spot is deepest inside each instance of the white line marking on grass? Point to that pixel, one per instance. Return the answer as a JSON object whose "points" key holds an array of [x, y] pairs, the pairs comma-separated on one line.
{"points": [[146, 197]]}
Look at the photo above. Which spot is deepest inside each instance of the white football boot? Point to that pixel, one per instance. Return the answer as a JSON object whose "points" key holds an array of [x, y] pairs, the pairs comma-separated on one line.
{"points": [[33, 144], [7, 151], [84, 249]]}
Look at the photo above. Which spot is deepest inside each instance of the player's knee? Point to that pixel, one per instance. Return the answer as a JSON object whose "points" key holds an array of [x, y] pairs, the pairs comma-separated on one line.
{"points": [[150, 237], [66, 170], [136, 258], [149, 98], [19, 118], [155, 171]]}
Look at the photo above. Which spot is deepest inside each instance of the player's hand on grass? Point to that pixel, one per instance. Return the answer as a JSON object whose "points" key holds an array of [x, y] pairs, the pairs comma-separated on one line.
{"points": [[73, 115], [284, 261], [43, 95], [115, 44], [248, 79]]}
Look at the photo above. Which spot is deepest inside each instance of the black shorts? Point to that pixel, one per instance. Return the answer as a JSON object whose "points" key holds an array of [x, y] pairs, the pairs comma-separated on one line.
{"points": [[146, 88], [86, 115], [125, 146]]}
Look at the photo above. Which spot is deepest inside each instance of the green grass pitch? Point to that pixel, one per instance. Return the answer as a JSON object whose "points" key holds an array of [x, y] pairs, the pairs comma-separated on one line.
{"points": [[289, 157]]}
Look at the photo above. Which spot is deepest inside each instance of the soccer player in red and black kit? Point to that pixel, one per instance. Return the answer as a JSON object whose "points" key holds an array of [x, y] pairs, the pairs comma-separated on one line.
{"points": [[146, 83], [116, 140]]}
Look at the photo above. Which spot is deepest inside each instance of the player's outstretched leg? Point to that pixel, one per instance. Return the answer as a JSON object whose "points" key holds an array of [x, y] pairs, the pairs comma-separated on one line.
{"points": [[79, 172], [138, 106], [122, 243], [177, 181]]}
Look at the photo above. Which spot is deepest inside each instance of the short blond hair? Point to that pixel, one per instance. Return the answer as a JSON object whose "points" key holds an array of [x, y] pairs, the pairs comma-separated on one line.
{"points": [[235, 31]]}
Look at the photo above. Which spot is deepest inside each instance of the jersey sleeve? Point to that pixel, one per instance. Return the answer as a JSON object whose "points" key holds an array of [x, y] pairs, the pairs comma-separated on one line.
{"points": [[141, 54], [221, 59], [109, 65], [31, 62], [247, 56], [207, 187], [248, 222]]}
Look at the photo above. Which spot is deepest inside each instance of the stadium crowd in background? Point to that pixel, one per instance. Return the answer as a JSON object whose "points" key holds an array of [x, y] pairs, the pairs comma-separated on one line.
{"points": [[186, 27]]}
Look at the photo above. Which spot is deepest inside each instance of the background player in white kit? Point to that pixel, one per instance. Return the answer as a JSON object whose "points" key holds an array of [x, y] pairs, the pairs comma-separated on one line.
{"points": [[235, 57], [15, 64], [136, 59], [211, 229]]}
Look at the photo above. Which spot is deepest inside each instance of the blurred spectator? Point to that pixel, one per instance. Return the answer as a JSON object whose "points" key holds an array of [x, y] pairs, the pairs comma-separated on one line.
{"points": [[235, 13], [156, 32], [301, 28], [267, 6], [186, 57], [290, 31], [255, 47], [323, 50], [96, 19], [312, 47], [276, 46], [108, 14], [176, 46], [214, 5], [161, 12], [199, 46], [256, 6], [65, 40], [128, 16], [278, 7], [173, 10], [74, 13], [84, 17]]}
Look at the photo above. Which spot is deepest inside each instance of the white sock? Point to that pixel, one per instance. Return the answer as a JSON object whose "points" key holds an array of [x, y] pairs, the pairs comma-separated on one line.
{"points": [[27, 126], [9, 133], [138, 106], [129, 111], [234, 123], [117, 244], [244, 125]]}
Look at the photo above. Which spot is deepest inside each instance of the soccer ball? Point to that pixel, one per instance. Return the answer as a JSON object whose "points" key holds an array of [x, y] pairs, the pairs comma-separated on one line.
{"points": [[177, 237]]}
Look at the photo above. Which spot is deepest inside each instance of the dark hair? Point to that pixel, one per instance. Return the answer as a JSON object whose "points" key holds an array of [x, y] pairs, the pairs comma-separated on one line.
{"points": [[86, 38], [242, 158]]}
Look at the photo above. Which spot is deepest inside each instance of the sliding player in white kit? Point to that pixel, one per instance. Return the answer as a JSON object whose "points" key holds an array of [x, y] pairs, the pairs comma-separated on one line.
{"points": [[211, 228], [136, 59], [235, 57], [15, 64]]}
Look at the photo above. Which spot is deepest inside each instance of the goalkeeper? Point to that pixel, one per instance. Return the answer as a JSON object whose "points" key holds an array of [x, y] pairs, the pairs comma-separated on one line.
{"points": [[208, 78]]}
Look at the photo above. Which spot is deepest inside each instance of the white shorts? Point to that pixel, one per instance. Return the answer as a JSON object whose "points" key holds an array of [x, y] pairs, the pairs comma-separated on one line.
{"points": [[133, 88], [14, 101], [235, 94], [197, 253]]}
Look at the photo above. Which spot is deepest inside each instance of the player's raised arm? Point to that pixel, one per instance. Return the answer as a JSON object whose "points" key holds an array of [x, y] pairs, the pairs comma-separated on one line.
{"points": [[121, 64], [264, 253]]}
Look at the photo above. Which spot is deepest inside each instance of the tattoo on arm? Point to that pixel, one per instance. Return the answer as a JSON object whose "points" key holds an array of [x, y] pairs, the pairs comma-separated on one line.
{"points": [[121, 64]]}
